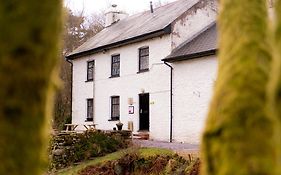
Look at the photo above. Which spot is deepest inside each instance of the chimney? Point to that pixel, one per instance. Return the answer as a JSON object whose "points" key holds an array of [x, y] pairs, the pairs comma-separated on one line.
{"points": [[114, 15], [151, 7]]}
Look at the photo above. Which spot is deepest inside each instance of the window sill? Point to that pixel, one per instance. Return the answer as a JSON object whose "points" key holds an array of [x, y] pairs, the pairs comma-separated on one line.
{"points": [[89, 81], [113, 120], [89, 120], [142, 71], [114, 76]]}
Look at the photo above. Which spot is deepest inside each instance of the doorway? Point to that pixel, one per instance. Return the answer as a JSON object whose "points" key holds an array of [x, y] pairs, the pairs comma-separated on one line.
{"points": [[144, 112]]}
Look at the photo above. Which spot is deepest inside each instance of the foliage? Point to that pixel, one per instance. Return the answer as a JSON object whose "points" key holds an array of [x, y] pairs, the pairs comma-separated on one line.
{"points": [[29, 50], [134, 163], [239, 137], [67, 149], [143, 152], [77, 30]]}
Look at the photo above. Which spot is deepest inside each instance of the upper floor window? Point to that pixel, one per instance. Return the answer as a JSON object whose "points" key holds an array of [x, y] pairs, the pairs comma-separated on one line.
{"points": [[90, 70], [115, 65], [115, 108], [144, 59], [90, 109]]}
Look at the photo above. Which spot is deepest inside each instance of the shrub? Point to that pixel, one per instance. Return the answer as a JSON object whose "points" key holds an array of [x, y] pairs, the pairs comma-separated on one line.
{"points": [[135, 164], [70, 148]]}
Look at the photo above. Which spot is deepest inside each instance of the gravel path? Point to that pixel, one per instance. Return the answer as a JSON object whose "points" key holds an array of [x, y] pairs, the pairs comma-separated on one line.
{"points": [[167, 145]]}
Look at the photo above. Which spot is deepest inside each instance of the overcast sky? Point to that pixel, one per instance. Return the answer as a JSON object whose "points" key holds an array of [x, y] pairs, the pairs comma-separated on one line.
{"points": [[97, 6]]}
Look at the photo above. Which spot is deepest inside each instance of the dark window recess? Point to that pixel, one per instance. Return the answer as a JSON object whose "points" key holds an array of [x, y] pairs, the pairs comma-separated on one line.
{"points": [[115, 66], [143, 59], [90, 110], [90, 70], [115, 108]]}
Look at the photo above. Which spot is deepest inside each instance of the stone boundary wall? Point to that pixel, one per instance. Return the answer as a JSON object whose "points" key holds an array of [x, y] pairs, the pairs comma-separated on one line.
{"points": [[70, 148]]}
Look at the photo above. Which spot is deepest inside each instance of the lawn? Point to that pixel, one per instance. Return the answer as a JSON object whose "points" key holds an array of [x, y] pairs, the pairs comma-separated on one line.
{"points": [[145, 152]]}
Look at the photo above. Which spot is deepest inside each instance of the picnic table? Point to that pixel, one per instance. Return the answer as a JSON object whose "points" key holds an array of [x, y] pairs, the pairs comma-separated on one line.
{"points": [[72, 127], [90, 126]]}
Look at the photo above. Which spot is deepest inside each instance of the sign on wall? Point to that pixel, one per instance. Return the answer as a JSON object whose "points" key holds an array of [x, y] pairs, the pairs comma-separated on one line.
{"points": [[131, 109]]}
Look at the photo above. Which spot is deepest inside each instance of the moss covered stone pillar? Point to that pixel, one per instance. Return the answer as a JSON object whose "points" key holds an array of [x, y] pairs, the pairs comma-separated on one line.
{"points": [[239, 135], [29, 47], [274, 90]]}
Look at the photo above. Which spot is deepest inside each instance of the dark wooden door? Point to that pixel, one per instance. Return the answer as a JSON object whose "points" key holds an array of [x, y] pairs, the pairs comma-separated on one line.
{"points": [[144, 111]]}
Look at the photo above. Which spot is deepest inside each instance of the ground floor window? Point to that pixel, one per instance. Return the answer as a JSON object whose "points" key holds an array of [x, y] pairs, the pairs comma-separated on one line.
{"points": [[90, 109], [115, 108]]}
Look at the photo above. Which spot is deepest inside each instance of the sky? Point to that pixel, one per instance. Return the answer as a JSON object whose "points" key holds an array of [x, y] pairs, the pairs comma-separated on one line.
{"points": [[99, 6]]}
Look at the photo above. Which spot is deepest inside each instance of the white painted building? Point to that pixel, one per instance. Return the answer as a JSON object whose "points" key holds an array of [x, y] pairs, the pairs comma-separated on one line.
{"points": [[120, 74]]}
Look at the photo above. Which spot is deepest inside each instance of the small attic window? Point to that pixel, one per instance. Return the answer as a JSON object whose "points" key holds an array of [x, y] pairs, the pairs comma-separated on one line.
{"points": [[90, 70], [115, 65], [143, 59]]}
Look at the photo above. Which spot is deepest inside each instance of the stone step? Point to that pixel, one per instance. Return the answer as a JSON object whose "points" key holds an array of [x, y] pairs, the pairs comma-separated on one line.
{"points": [[141, 136]]}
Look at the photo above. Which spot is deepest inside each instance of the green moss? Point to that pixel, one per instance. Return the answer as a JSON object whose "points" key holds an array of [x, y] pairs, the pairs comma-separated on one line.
{"points": [[274, 90], [77, 147], [239, 135], [144, 152], [29, 48]]}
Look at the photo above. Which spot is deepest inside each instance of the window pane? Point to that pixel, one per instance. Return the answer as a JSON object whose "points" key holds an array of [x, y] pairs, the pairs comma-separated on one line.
{"points": [[90, 64], [144, 52], [115, 107], [144, 58], [90, 108], [115, 69], [115, 58], [115, 100], [144, 64], [115, 111], [90, 74], [90, 70], [115, 65]]}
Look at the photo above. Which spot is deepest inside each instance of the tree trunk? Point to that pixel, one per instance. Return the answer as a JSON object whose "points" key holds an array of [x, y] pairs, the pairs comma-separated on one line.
{"points": [[239, 135], [274, 90], [30, 31]]}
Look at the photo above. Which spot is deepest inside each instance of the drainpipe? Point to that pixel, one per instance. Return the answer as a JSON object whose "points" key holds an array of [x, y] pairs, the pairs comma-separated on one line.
{"points": [[171, 101], [71, 82]]}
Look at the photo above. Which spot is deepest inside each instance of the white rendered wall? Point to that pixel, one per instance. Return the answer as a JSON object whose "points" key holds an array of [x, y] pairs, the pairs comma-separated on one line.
{"points": [[193, 85], [129, 85], [82, 90], [192, 22]]}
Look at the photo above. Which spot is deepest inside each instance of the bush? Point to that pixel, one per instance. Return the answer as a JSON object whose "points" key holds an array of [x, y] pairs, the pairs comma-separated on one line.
{"points": [[70, 148], [133, 163]]}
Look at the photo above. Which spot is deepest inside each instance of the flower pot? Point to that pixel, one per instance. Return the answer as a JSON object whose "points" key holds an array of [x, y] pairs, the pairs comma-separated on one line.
{"points": [[119, 126]]}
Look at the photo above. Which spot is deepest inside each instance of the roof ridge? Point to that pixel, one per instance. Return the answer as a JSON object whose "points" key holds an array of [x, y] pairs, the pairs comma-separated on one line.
{"points": [[157, 8], [140, 26]]}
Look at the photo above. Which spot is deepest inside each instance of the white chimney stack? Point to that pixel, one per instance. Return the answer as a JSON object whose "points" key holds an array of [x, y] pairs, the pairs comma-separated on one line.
{"points": [[114, 15]]}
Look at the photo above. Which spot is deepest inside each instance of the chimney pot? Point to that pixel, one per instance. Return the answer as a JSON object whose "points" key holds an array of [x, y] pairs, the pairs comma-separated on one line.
{"points": [[114, 15], [151, 7]]}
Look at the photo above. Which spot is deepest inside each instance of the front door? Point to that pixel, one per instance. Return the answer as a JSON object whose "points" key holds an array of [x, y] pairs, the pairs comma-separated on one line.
{"points": [[144, 112]]}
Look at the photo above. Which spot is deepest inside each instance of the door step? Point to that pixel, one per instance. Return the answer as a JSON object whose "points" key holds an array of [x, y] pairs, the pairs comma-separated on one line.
{"points": [[141, 135]]}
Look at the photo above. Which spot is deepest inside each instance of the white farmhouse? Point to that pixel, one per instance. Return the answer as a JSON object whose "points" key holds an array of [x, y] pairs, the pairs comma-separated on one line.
{"points": [[154, 69]]}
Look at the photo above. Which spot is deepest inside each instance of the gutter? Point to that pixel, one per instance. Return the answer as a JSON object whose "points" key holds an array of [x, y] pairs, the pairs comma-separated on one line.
{"points": [[190, 56], [171, 101], [71, 81]]}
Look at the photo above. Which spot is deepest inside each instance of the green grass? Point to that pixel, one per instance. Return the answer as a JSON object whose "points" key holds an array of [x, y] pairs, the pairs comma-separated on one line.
{"points": [[145, 152]]}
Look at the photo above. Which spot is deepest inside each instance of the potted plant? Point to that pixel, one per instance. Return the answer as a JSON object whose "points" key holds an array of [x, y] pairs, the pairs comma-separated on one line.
{"points": [[119, 126]]}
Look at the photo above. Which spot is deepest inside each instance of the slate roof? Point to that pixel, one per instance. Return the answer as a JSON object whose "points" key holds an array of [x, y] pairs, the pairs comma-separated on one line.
{"points": [[139, 26], [203, 44]]}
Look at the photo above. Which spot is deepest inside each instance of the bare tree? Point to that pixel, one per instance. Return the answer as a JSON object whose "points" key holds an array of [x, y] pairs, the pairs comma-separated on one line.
{"points": [[77, 30]]}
